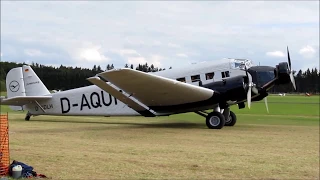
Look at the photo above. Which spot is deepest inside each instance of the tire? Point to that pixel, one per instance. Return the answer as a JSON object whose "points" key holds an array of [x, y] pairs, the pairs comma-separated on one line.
{"points": [[27, 118], [233, 119], [215, 120]]}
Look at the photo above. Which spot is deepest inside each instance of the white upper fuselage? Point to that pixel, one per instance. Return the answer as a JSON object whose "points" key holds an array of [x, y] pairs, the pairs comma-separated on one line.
{"points": [[219, 68]]}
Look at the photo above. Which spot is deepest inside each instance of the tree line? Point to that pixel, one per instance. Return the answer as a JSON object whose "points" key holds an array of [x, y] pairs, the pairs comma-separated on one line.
{"points": [[64, 78], [307, 81]]}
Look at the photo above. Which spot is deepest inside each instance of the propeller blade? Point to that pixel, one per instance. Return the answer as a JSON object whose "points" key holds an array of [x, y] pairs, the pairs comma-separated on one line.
{"points": [[245, 69], [293, 81], [291, 73], [249, 97], [289, 61], [265, 101]]}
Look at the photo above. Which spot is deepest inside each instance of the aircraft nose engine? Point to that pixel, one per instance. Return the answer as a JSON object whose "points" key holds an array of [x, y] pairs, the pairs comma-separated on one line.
{"points": [[284, 73], [231, 89]]}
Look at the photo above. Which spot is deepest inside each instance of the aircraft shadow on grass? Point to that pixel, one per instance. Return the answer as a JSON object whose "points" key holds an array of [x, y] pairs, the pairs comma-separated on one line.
{"points": [[134, 124]]}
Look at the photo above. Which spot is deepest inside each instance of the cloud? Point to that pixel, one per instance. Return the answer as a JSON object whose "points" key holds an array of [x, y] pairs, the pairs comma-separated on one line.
{"points": [[88, 52], [157, 43], [153, 59], [1, 54], [307, 51], [33, 52], [136, 60], [146, 30], [156, 60], [275, 54], [92, 55], [127, 52], [182, 55], [172, 45]]}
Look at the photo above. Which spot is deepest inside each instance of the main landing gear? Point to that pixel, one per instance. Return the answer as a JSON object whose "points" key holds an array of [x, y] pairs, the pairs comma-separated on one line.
{"points": [[219, 118]]}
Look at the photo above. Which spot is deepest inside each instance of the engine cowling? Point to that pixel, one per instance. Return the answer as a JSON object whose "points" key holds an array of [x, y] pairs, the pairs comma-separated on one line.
{"points": [[282, 72], [231, 89]]}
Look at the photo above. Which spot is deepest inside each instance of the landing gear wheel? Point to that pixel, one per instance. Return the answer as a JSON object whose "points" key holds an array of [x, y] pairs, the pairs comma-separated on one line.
{"points": [[231, 121], [215, 120], [27, 118]]}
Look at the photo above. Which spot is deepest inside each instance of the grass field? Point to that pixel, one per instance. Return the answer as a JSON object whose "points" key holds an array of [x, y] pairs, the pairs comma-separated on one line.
{"points": [[283, 144]]}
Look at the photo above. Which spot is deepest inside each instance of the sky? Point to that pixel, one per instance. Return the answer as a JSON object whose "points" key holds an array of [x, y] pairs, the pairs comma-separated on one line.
{"points": [[163, 33]]}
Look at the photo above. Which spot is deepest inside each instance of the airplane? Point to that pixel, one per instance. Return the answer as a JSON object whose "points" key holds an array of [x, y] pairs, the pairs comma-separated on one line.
{"points": [[213, 85]]}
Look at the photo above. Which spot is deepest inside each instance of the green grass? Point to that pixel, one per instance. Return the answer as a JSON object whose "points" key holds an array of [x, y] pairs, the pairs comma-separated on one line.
{"points": [[166, 147], [3, 93]]}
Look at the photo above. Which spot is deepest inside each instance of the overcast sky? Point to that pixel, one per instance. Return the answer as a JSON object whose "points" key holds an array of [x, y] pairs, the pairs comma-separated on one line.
{"points": [[79, 33]]}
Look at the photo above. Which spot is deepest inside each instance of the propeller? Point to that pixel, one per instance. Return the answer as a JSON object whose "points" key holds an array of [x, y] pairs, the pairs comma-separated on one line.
{"points": [[251, 87], [265, 101], [291, 72]]}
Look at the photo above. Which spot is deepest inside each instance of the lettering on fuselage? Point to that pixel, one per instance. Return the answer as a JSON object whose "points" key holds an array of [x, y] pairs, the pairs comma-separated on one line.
{"points": [[94, 100], [45, 107]]}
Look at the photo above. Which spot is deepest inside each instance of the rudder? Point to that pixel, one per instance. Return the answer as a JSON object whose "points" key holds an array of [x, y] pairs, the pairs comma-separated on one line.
{"points": [[33, 85]]}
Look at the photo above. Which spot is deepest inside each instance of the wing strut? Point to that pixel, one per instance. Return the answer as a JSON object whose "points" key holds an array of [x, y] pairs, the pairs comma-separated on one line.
{"points": [[39, 106], [121, 96]]}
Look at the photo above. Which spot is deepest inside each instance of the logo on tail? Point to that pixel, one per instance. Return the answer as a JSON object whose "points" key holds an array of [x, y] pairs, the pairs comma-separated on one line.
{"points": [[14, 86]]}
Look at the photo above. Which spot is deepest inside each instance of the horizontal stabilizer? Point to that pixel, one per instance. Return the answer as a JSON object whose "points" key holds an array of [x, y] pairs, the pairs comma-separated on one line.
{"points": [[119, 95], [155, 91], [22, 100]]}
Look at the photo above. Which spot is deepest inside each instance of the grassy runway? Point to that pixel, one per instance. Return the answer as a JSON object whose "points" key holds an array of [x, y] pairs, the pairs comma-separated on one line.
{"points": [[283, 144]]}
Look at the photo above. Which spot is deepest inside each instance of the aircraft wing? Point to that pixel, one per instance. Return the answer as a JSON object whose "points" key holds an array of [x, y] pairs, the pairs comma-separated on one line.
{"points": [[119, 95], [22, 100], [157, 92]]}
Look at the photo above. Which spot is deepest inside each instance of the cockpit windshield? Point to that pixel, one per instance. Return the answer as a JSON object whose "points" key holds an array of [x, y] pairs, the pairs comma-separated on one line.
{"points": [[261, 75], [241, 63], [264, 77]]}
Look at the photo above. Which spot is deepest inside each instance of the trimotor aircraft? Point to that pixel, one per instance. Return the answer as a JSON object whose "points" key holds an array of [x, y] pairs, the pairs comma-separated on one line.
{"points": [[213, 85]]}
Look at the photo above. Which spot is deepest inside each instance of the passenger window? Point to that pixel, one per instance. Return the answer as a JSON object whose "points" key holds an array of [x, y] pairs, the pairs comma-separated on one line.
{"points": [[181, 79], [195, 78], [209, 75], [223, 75], [227, 74]]}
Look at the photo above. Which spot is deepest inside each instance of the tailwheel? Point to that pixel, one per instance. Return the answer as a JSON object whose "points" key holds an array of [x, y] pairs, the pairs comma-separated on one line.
{"points": [[28, 115], [231, 121], [27, 118], [215, 120]]}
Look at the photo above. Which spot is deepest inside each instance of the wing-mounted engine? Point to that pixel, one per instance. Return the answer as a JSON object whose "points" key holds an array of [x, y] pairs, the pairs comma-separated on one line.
{"points": [[265, 77], [282, 74]]}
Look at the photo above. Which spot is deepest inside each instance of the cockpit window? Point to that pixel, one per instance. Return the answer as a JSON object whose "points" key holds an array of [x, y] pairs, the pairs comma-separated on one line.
{"points": [[264, 77], [237, 65]]}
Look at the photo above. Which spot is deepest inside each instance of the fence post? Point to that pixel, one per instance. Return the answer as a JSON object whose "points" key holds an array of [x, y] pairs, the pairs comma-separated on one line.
{"points": [[4, 145]]}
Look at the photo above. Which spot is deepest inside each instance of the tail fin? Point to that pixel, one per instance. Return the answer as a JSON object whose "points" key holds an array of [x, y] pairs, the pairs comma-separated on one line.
{"points": [[15, 85], [33, 84], [23, 86]]}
